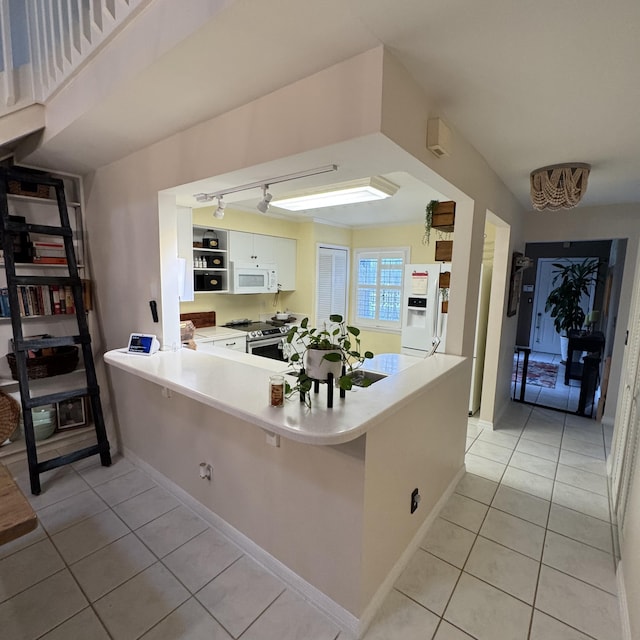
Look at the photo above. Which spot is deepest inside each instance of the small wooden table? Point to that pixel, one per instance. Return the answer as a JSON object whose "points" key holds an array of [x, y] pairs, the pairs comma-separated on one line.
{"points": [[578, 341], [16, 515], [525, 368]]}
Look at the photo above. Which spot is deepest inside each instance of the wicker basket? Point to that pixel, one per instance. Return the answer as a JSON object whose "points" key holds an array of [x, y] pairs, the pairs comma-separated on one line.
{"points": [[27, 189], [64, 360], [9, 416]]}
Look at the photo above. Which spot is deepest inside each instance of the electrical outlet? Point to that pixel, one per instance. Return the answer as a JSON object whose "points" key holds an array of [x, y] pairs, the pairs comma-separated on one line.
{"points": [[415, 500]]}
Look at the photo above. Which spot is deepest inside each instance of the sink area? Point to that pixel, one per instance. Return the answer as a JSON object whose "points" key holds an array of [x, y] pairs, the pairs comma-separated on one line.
{"points": [[358, 376], [364, 378]]}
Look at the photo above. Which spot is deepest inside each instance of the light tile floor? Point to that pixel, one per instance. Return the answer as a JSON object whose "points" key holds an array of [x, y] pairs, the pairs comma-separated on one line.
{"points": [[522, 550], [565, 397]]}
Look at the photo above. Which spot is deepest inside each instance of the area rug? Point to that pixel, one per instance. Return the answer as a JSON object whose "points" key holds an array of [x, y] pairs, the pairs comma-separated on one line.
{"points": [[540, 374]]}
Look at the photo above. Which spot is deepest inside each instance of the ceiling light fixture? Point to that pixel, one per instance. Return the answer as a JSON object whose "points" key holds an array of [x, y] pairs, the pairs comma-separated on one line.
{"points": [[355, 191], [263, 205], [219, 212], [559, 186], [204, 197], [208, 197]]}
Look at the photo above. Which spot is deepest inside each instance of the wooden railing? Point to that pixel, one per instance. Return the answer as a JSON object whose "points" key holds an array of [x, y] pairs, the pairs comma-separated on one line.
{"points": [[45, 41]]}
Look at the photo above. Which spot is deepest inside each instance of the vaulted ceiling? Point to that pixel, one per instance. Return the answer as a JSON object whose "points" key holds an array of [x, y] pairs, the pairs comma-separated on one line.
{"points": [[526, 83]]}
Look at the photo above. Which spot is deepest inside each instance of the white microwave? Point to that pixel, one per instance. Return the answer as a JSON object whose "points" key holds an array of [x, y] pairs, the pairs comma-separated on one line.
{"points": [[253, 277]]}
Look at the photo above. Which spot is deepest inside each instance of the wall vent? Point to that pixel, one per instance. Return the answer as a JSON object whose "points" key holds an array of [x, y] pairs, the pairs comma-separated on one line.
{"points": [[438, 137]]}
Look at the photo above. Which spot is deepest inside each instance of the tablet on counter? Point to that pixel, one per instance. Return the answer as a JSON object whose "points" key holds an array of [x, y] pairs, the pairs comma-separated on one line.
{"points": [[143, 344]]}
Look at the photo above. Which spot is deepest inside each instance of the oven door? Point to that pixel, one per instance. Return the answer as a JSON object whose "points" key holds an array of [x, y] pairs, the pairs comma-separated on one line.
{"points": [[267, 348]]}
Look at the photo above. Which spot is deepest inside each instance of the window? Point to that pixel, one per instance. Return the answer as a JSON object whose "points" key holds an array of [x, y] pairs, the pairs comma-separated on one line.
{"points": [[379, 287], [333, 275]]}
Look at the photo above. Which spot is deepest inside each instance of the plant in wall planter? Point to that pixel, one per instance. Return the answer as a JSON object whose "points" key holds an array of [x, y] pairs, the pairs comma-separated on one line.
{"points": [[318, 352], [573, 281], [444, 297], [428, 220]]}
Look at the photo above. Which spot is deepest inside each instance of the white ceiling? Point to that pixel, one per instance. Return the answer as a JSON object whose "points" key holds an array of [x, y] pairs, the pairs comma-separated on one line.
{"points": [[526, 83]]}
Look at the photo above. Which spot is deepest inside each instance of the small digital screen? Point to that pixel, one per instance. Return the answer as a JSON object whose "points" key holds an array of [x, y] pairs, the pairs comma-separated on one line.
{"points": [[140, 344]]}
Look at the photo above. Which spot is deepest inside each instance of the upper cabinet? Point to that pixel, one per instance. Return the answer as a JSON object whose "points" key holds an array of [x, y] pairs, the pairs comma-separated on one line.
{"points": [[207, 253], [210, 260], [255, 247]]}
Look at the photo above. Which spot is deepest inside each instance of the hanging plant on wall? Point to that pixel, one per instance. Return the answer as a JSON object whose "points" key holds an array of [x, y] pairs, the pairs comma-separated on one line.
{"points": [[428, 220]]}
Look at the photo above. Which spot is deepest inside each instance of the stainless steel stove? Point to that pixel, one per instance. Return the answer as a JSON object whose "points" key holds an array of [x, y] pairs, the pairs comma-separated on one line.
{"points": [[263, 338]]}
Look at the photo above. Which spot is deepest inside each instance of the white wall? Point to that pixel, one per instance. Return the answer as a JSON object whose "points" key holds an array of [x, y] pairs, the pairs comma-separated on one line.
{"points": [[477, 190], [361, 96], [122, 198]]}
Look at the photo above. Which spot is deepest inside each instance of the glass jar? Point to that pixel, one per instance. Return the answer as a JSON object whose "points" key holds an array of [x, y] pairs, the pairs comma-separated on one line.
{"points": [[276, 391]]}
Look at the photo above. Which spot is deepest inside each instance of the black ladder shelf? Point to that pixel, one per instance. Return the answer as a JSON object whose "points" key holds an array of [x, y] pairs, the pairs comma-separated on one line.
{"points": [[10, 229]]}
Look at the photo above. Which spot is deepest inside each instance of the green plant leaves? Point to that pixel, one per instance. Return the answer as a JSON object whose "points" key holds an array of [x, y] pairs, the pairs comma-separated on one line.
{"points": [[573, 281]]}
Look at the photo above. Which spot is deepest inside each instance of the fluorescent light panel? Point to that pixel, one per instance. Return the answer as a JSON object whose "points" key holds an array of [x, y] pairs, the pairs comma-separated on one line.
{"points": [[365, 190]]}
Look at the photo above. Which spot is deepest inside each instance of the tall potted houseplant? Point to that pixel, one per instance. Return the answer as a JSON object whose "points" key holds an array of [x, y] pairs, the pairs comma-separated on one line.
{"points": [[572, 281]]}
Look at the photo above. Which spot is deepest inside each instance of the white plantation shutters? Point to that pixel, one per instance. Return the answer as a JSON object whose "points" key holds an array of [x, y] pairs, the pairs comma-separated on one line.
{"points": [[331, 296], [379, 288]]}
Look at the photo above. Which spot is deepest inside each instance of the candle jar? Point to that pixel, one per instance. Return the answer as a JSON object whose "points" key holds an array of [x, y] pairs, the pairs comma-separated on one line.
{"points": [[276, 391]]}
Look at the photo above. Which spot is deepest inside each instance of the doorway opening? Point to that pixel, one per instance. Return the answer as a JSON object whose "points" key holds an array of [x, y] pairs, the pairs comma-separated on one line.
{"points": [[579, 384]]}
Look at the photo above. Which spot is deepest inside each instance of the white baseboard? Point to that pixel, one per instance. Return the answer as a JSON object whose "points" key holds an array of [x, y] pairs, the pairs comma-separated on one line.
{"points": [[386, 586], [607, 421], [485, 424], [349, 623], [623, 605], [345, 620]]}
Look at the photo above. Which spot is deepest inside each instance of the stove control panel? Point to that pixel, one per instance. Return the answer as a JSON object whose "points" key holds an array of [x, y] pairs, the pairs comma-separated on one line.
{"points": [[267, 332]]}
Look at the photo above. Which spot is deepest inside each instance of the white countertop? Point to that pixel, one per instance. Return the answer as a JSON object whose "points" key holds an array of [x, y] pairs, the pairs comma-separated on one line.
{"points": [[238, 384], [217, 332]]}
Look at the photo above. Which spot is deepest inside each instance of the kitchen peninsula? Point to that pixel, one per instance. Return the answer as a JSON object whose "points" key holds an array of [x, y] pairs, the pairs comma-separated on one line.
{"points": [[329, 505]]}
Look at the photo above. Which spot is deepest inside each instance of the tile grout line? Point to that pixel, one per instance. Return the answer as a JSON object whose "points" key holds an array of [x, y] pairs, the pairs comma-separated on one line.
{"points": [[477, 534], [544, 542], [67, 567]]}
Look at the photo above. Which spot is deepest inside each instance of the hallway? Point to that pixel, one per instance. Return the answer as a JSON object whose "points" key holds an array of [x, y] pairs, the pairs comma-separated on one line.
{"points": [[523, 549]]}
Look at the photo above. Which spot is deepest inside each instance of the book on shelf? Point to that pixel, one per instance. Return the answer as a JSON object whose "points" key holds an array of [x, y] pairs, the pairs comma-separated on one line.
{"points": [[45, 300], [48, 252], [23, 298], [49, 260], [42, 248], [55, 296], [68, 300], [5, 310]]}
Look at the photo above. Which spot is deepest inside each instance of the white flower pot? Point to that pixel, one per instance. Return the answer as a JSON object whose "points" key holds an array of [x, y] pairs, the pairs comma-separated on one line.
{"points": [[318, 368], [564, 348]]}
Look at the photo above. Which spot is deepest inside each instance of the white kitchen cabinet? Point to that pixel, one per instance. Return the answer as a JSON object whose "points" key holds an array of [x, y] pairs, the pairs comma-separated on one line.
{"points": [[263, 249], [286, 252], [235, 343], [252, 247]]}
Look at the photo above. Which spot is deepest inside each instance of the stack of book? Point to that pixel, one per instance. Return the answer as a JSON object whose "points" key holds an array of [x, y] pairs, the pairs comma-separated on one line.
{"points": [[43, 300], [49, 253]]}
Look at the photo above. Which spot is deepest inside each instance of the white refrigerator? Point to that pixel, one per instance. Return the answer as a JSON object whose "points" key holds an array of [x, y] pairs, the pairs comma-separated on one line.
{"points": [[424, 325]]}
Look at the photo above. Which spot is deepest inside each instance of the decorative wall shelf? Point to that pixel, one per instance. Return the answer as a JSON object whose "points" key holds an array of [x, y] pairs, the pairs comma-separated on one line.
{"points": [[444, 216]]}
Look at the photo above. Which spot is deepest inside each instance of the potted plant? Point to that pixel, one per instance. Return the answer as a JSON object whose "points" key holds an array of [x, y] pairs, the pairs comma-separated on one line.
{"points": [[573, 280], [318, 352]]}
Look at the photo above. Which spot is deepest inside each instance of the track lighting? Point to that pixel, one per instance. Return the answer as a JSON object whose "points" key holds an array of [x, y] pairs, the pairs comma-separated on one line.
{"points": [[219, 212], [204, 197], [208, 197], [263, 205]]}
